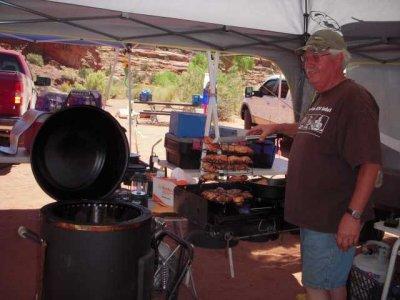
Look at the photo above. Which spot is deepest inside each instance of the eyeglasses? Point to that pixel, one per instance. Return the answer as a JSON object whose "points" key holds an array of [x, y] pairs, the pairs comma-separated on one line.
{"points": [[314, 54]]}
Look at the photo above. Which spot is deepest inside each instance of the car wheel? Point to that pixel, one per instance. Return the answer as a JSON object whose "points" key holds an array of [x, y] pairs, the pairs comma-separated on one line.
{"points": [[247, 119]]}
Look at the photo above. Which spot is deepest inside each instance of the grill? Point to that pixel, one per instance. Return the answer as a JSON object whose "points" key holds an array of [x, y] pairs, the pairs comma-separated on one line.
{"points": [[261, 215]]}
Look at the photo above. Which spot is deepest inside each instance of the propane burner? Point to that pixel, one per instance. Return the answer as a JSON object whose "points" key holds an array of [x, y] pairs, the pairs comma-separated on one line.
{"points": [[88, 213]]}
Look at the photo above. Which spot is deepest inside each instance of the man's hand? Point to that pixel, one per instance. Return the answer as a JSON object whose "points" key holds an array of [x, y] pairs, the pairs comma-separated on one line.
{"points": [[263, 130], [348, 232]]}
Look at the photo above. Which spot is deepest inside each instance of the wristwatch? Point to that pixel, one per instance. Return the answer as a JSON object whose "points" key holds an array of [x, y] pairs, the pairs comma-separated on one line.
{"points": [[354, 213]]}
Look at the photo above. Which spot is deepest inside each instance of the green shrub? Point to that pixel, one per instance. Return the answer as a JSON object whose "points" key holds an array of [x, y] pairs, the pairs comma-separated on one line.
{"points": [[199, 61], [78, 86], [244, 63], [96, 81], [165, 93], [65, 87], [165, 78], [230, 87], [190, 83], [70, 75], [84, 72], [35, 59], [118, 89]]}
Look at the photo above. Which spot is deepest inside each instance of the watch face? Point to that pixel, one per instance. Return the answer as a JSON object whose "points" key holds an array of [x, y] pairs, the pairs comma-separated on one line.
{"points": [[356, 214]]}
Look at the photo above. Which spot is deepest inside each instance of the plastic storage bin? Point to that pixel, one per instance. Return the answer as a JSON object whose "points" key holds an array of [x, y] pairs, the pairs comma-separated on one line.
{"points": [[185, 124], [181, 153], [264, 153], [51, 102], [84, 97]]}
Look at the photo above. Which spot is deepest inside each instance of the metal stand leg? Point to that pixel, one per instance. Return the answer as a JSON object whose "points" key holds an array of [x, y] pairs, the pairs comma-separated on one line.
{"points": [[189, 279], [389, 274], [230, 258]]}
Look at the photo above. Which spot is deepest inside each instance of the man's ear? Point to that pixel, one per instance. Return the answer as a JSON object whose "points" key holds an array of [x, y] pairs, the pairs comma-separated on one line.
{"points": [[340, 57]]}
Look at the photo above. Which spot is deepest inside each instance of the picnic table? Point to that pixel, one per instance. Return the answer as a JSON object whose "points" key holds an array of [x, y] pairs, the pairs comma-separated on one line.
{"points": [[159, 108]]}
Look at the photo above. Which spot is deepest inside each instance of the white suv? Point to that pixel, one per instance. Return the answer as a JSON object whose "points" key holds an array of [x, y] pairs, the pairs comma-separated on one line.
{"points": [[272, 103]]}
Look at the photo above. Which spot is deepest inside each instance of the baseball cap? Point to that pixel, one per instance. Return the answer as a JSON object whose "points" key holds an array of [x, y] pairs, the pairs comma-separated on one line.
{"points": [[322, 40]]}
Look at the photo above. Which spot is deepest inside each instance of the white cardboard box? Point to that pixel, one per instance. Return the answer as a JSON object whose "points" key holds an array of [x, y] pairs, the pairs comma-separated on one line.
{"points": [[163, 190]]}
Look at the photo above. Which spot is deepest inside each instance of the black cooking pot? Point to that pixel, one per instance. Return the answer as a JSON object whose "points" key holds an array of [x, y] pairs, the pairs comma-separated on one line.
{"points": [[93, 246], [80, 153]]}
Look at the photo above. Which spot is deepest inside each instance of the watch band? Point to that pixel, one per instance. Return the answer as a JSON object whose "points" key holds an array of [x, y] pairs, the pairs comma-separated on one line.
{"points": [[354, 213]]}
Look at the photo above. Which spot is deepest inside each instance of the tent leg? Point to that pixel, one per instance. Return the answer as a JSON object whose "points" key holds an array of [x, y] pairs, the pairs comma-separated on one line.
{"points": [[129, 98], [212, 112]]}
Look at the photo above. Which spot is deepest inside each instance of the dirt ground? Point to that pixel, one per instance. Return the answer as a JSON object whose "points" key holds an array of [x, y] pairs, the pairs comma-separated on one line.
{"points": [[269, 270]]}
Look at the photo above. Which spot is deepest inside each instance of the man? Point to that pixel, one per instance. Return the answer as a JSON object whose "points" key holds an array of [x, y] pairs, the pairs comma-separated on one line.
{"points": [[333, 164]]}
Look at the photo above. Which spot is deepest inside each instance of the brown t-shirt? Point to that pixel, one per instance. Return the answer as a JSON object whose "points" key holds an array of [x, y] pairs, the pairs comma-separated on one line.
{"points": [[339, 133]]}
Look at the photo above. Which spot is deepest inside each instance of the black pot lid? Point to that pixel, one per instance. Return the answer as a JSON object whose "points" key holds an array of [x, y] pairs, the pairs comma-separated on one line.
{"points": [[80, 153]]}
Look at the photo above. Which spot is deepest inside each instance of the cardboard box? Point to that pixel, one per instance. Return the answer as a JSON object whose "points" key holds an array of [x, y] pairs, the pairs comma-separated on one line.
{"points": [[163, 190]]}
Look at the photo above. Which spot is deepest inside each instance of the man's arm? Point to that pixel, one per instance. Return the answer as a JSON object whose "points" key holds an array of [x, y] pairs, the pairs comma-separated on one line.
{"points": [[289, 129], [349, 227]]}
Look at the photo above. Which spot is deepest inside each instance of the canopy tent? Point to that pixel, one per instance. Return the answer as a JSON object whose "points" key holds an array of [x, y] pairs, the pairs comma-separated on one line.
{"points": [[267, 28]]}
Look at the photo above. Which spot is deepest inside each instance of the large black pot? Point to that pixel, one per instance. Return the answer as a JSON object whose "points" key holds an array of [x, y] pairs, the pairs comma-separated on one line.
{"points": [[93, 248], [80, 153], [97, 250]]}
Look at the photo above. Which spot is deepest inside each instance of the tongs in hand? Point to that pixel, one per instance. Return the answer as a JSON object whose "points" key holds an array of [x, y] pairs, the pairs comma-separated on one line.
{"points": [[243, 138]]}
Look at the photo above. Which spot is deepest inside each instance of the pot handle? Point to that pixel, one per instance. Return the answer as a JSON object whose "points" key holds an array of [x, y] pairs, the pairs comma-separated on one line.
{"points": [[184, 262], [26, 233], [160, 235]]}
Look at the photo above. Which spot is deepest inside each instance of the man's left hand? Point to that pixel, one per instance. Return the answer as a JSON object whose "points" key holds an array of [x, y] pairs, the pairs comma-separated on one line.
{"points": [[348, 232]]}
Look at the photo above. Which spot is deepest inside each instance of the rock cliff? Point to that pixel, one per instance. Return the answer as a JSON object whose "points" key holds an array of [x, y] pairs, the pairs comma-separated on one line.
{"points": [[146, 61]]}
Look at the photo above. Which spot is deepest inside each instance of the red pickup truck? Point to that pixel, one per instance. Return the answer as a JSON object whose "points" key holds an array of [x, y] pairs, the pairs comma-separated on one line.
{"points": [[17, 88]]}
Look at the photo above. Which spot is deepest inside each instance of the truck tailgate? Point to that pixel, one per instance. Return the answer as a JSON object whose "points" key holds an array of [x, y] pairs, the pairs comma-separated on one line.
{"points": [[8, 82]]}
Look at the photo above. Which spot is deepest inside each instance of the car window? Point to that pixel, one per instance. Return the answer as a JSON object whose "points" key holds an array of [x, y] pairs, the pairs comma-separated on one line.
{"points": [[9, 63], [268, 88]]}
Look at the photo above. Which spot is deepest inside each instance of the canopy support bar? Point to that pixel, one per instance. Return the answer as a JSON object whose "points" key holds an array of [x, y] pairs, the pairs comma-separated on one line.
{"points": [[174, 33], [58, 20], [33, 21], [262, 42], [167, 34]]}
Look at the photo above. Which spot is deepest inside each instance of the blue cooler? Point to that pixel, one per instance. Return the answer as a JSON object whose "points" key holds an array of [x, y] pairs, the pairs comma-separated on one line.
{"points": [[145, 96], [264, 153], [186, 124], [196, 100]]}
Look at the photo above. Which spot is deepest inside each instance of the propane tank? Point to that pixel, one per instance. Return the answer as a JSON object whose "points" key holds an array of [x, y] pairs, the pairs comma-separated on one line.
{"points": [[375, 262]]}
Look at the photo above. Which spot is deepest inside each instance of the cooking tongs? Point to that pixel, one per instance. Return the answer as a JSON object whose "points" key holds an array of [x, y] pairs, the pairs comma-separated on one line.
{"points": [[242, 138]]}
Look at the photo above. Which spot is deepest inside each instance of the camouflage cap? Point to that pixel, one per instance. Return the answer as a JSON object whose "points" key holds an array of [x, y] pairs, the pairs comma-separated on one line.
{"points": [[324, 39]]}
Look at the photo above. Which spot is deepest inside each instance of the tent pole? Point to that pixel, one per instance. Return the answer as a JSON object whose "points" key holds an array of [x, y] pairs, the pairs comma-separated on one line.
{"points": [[129, 48], [212, 111], [110, 78], [300, 93]]}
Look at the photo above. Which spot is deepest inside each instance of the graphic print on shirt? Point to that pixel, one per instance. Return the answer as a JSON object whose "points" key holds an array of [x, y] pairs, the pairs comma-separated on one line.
{"points": [[315, 121]]}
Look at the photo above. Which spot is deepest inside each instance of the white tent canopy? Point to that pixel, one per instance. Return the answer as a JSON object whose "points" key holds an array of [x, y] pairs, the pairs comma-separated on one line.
{"points": [[267, 28]]}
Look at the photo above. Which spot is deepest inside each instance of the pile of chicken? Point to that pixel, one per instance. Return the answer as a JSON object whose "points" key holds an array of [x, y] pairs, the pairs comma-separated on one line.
{"points": [[221, 195], [236, 158]]}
